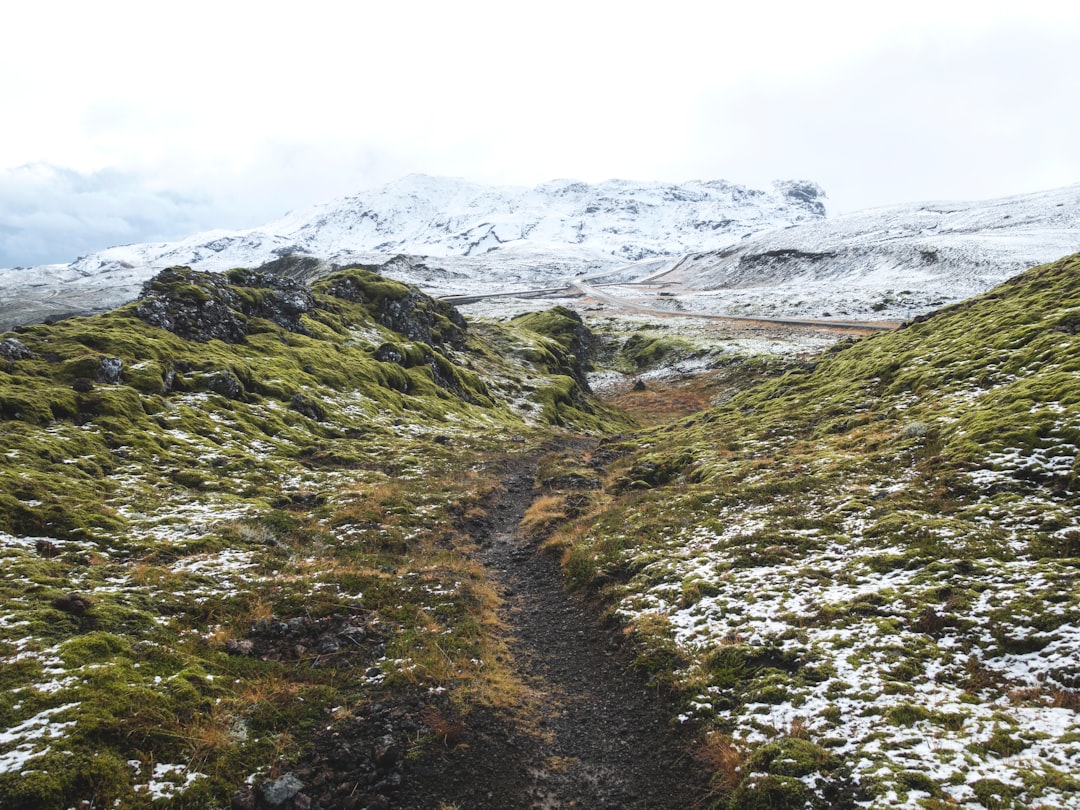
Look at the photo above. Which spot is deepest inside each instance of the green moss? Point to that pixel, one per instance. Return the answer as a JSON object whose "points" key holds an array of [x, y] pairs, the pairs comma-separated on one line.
{"points": [[791, 756], [994, 795], [770, 793]]}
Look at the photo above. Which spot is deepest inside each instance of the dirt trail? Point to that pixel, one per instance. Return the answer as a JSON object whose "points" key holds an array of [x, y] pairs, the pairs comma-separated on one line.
{"points": [[605, 741]]}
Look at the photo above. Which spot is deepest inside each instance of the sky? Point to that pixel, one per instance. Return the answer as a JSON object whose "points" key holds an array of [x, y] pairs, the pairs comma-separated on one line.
{"points": [[131, 121]]}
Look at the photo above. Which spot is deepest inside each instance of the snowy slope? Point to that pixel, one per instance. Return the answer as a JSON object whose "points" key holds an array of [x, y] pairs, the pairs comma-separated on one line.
{"points": [[883, 263], [482, 235]]}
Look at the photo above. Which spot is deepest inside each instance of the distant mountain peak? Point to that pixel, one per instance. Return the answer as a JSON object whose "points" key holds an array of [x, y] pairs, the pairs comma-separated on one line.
{"points": [[582, 224]]}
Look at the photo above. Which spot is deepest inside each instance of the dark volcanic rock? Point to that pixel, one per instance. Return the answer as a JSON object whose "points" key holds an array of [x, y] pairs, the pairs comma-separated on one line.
{"points": [[401, 307], [109, 370], [194, 305], [416, 317], [14, 349], [308, 407], [225, 383], [209, 306], [73, 603]]}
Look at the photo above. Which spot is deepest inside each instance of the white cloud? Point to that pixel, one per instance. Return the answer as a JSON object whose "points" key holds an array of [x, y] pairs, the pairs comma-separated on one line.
{"points": [[51, 214], [244, 110]]}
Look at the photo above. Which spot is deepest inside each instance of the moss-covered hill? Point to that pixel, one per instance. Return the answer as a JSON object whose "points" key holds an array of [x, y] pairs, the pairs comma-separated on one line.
{"points": [[232, 514], [863, 577]]}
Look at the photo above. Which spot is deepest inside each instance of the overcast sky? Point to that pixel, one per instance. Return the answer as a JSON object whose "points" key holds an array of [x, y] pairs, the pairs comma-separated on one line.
{"points": [[136, 121]]}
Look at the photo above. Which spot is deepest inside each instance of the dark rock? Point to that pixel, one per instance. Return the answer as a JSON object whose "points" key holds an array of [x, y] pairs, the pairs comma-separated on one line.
{"points": [[83, 385], [297, 265], [72, 603], [225, 383], [241, 646], [389, 353], [109, 370], [386, 752], [401, 307], [243, 799], [209, 306], [279, 299], [14, 349], [194, 305], [278, 791], [308, 407], [46, 548]]}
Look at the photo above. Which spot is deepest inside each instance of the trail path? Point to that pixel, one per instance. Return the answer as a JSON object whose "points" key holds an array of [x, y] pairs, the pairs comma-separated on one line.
{"points": [[605, 741]]}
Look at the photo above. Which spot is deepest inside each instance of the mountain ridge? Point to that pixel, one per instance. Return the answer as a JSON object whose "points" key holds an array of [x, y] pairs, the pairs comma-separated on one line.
{"points": [[555, 229]]}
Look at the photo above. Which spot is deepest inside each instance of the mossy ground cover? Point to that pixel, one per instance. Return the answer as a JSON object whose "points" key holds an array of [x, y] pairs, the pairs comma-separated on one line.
{"points": [[210, 550], [876, 553]]}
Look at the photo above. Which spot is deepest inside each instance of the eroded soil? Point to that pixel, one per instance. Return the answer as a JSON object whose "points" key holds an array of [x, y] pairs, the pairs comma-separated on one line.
{"points": [[599, 738], [588, 731]]}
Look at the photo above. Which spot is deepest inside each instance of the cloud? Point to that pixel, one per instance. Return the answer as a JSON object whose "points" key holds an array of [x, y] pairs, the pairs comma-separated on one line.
{"points": [[52, 214]]}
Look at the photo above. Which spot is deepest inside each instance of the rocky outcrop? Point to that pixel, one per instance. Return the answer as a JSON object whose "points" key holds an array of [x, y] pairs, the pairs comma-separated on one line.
{"points": [[12, 349], [209, 306], [400, 307]]}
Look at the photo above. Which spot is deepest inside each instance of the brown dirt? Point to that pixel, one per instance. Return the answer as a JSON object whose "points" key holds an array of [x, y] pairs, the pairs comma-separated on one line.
{"points": [[588, 733], [605, 739]]}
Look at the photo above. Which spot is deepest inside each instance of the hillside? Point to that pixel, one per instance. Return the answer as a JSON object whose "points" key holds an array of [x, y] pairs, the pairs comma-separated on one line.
{"points": [[862, 576], [883, 263], [236, 512], [483, 237], [274, 545]]}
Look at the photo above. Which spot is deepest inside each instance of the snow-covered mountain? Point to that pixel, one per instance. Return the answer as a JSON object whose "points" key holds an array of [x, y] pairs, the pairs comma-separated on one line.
{"points": [[491, 235], [887, 263], [715, 247]]}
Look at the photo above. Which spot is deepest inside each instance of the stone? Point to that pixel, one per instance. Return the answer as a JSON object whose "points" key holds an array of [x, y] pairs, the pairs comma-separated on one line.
{"points": [[14, 349], [109, 370], [278, 791]]}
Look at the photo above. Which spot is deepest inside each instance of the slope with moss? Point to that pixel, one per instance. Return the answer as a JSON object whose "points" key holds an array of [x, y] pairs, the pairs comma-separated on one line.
{"points": [[234, 514], [863, 577]]}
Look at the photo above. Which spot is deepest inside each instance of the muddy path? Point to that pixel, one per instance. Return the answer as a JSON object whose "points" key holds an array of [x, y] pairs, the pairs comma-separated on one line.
{"points": [[600, 738]]}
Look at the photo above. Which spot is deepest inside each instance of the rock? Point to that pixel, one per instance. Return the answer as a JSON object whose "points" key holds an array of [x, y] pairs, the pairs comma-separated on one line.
{"points": [[401, 307], [46, 548], [389, 353], [239, 646], [194, 305], [243, 799], [386, 752], [14, 349], [109, 370], [278, 791], [72, 603], [210, 306], [225, 383], [308, 407]]}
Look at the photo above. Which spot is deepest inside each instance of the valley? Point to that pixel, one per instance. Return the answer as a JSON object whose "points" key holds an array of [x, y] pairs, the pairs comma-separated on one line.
{"points": [[738, 529]]}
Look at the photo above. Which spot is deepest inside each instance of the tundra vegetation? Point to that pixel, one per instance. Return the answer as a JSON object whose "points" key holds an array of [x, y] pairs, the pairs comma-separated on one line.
{"points": [[235, 515], [862, 576]]}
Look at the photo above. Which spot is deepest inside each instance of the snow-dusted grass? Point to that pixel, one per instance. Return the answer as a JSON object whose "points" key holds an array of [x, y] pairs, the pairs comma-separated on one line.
{"points": [[188, 579], [873, 561]]}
